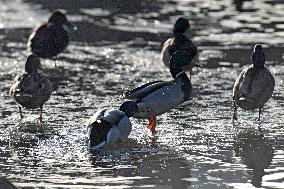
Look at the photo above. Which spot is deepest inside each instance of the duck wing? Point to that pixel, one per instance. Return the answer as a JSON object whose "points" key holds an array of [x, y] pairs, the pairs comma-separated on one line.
{"points": [[165, 55], [237, 84], [144, 90], [21, 84], [97, 116], [263, 86]]}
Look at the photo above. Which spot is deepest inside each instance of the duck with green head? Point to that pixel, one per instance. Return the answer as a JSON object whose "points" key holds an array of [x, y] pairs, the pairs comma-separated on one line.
{"points": [[108, 127], [30, 89], [255, 84], [158, 97]]}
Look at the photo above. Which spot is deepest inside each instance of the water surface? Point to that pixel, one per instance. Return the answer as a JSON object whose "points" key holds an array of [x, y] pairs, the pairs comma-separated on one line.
{"points": [[117, 47]]}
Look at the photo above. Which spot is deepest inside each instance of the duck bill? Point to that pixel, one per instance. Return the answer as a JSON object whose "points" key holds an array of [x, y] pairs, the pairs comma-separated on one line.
{"points": [[197, 65], [98, 146], [69, 27]]}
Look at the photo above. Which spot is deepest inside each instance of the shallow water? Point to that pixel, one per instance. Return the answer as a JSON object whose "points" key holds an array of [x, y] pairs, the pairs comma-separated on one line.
{"points": [[116, 46]]}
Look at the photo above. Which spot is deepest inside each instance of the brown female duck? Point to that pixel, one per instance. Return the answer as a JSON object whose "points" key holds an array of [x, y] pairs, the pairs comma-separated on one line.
{"points": [[31, 89], [179, 42], [254, 86], [52, 37]]}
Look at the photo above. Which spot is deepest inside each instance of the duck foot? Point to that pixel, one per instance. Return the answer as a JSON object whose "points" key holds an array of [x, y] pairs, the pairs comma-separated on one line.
{"points": [[259, 128], [259, 114], [235, 116], [152, 121], [40, 115], [21, 114]]}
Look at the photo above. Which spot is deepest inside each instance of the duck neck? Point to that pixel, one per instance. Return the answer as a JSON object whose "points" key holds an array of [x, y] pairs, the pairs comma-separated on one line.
{"points": [[185, 84], [33, 74], [175, 70], [258, 66]]}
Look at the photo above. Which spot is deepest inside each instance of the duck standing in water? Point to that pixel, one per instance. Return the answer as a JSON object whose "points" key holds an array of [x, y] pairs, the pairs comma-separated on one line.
{"points": [[255, 84], [181, 41], [52, 37], [31, 89], [158, 97], [109, 128]]}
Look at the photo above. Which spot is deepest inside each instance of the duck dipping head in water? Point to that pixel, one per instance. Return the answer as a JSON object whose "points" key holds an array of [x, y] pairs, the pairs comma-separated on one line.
{"points": [[105, 129]]}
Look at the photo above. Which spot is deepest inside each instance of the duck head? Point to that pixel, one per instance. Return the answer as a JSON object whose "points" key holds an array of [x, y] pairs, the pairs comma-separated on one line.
{"points": [[258, 56], [59, 18], [181, 60], [182, 26], [32, 64], [129, 108]]}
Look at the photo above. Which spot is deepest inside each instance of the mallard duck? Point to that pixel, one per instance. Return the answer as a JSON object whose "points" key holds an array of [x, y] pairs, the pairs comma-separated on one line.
{"points": [[52, 37], [158, 97], [254, 86], [108, 128], [31, 89], [180, 41]]}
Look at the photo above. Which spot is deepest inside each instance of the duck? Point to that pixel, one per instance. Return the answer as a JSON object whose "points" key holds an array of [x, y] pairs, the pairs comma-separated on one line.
{"points": [[51, 37], [179, 41], [30, 89], [157, 97], [106, 128], [254, 85]]}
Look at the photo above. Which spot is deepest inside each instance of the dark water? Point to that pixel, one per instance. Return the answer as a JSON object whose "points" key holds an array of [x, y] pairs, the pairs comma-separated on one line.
{"points": [[116, 46]]}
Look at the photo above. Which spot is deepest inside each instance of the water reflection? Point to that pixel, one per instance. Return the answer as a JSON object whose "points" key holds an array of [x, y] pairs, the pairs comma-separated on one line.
{"points": [[256, 153], [152, 167], [22, 142], [108, 54]]}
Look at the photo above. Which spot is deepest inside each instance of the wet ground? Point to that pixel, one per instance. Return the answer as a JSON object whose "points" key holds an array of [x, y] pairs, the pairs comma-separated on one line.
{"points": [[116, 46]]}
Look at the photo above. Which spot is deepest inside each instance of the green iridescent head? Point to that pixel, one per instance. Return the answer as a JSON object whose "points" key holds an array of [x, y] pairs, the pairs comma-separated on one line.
{"points": [[179, 60]]}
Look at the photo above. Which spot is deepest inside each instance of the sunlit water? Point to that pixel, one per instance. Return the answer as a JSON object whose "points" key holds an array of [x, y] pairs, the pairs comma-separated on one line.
{"points": [[117, 47]]}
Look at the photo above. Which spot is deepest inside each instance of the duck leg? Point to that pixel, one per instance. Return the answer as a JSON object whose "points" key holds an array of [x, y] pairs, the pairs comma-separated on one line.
{"points": [[259, 113], [21, 115], [40, 114], [152, 121], [235, 117], [190, 73]]}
